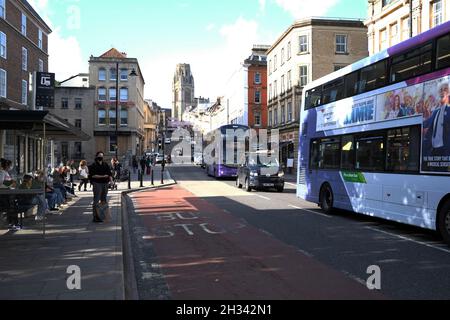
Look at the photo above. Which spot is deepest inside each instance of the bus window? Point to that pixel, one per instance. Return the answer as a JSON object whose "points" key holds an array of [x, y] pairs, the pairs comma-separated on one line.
{"points": [[330, 154], [413, 63], [351, 84], [333, 91], [443, 52], [370, 153], [403, 150], [348, 153], [372, 77], [313, 98], [314, 158]]}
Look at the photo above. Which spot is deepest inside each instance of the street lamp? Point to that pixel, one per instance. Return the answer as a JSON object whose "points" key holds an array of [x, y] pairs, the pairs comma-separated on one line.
{"points": [[132, 74]]}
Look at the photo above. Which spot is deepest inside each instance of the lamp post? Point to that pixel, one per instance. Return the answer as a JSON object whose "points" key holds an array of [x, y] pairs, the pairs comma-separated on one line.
{"points": [[132, 74]]}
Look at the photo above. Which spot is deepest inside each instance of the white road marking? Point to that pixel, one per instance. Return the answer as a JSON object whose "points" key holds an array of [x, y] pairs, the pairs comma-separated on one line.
{"points": [[295, 207], [310, 211], [265, 198], [291, 184], [409, 239]]}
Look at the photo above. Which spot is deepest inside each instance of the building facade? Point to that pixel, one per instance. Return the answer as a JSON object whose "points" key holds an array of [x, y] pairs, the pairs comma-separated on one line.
{"points": [[309, 49], [76, 106], [103, 76], [183, 90], [389, 21], [152, 119], [257, 87], [23, 51]]}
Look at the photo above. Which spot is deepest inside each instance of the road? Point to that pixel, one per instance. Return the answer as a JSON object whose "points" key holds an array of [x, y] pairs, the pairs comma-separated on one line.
{"points": [[206, 239]]}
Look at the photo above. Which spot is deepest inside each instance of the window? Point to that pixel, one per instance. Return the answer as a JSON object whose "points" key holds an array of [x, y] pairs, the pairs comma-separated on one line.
{"points": [[282, 56], [41, 65], [437, 12], [102, 117], [112, 94], [40, 42], [383, 39], [341, 43], [289, 112], [348, 153], [78, 103], [257, 118], [303, 76], [3, 45], [443, 52], [124, 95], [275, 63], [78, 123], [333, 91], [24, 25], [113, 74], [325, 154], [64, 103], [289, 52], [405, 28], [283, 115], [394, 34], [270, 118], [24, 92], [257, 96], [24, 59], [270, 92], [257, 78], [270, 66], [124, 75], [313, 98], [112, 144], [338, 67], [413, 63], [3, 83], [289, 80], [370, 153], [102, 74], [78, 146], [101, 94], [275, 89], [303, 44], [372, 77], [2, 9], [403, 150], [351, 84], [124, 117], [275, 117], [112, 117], [283, 82]]}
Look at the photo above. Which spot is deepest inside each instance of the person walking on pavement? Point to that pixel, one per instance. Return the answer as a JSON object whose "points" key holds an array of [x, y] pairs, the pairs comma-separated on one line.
{"points": [[143, 164], [135, 165], [100, 175], [84, 175]]}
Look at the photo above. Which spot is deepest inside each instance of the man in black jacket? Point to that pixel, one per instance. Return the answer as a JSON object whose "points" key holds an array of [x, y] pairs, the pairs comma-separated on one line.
{"points": [[100, 176]]}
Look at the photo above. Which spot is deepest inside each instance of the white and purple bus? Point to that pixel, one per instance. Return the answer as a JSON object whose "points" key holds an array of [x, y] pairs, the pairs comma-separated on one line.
{"points": [[222, 164], [375, 136]]}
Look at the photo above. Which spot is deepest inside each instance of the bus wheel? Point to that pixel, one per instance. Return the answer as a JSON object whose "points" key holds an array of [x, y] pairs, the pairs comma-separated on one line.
{"points": [[247, 186], [327, 199], [444, 222]]}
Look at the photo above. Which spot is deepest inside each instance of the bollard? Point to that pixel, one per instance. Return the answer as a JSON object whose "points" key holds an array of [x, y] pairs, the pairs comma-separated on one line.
{"points": [[153, 176], [142, 179], [162, 174], [129, 180]]}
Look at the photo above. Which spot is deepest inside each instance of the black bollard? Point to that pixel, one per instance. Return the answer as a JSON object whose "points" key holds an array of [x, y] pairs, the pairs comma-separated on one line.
{"points": [[153, 176], [129, 180], [142, 179], [162, 174]]}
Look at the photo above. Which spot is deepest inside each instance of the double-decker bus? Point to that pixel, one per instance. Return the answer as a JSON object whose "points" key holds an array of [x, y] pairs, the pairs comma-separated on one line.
{"points": [[221, 164], [375, 136]]}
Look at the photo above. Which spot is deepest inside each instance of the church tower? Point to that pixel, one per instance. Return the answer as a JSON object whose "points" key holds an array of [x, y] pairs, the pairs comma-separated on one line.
{"points": [[183, 90]]}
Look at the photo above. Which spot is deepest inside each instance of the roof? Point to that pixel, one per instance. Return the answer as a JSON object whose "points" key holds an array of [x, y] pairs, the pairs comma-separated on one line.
{"points": [[33, 122], [114, 53]]}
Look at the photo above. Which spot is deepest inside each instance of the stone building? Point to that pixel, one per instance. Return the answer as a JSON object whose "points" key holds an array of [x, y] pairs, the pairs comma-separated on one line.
{"points": [[309, 49], [389, 21], [183, 91]]}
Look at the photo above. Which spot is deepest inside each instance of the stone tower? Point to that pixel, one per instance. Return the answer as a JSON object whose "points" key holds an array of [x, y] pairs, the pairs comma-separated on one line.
{"points": [[183, 90]]}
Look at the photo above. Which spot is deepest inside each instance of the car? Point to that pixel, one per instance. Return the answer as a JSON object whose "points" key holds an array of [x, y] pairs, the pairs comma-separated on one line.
{"points": [[198, 159], [168, 141], [254, 175], [159, 159]]}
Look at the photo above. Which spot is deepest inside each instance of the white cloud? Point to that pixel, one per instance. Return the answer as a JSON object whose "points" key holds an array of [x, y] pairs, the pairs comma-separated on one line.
{"points": [[262, 5], [305, 8], [210, 27], [65, 56]]}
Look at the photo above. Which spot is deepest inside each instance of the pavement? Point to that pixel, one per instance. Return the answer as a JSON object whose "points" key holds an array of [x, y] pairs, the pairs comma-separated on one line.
{"points": [[35, 267]]}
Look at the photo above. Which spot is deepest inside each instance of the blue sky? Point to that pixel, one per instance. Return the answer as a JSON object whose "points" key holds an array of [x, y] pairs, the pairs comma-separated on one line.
{"points": [[214, 36]]}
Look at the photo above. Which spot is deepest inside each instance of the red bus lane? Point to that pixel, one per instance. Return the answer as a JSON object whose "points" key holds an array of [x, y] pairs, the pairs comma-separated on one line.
{"points": [[206, 253]]}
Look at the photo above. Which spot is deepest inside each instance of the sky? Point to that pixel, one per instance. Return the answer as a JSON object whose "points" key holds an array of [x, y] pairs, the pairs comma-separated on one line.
{"points": [[214, 36]]}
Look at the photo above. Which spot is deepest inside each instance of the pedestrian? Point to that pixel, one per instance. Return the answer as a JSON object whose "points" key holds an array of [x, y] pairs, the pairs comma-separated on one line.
{"points": [[84, 175], [148, 165], [135, 165], [100, 175], [143, 164]]}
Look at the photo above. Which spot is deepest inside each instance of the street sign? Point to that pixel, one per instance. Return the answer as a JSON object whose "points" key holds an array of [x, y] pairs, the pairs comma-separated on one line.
{"points": [[45, 90]]}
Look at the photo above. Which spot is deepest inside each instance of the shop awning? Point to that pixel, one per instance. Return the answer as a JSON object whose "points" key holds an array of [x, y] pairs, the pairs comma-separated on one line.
{"points": [[34, 122]]}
